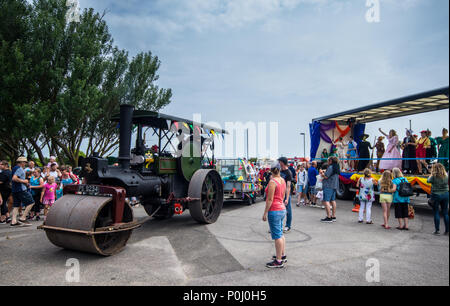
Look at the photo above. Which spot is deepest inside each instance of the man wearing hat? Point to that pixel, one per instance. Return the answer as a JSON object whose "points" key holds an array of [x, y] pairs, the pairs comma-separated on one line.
{"points": [[20, 193]]}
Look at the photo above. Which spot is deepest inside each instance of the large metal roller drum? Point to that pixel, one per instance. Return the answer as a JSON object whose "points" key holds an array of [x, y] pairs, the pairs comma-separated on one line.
{"points": [[74, 218]]}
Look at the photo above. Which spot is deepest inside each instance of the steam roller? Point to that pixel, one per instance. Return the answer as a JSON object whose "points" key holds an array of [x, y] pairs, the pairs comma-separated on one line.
{"points": [[96, 217]]}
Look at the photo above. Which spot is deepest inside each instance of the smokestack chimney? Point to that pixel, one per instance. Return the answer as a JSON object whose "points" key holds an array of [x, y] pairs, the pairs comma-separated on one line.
{"points": [[126, 123]]}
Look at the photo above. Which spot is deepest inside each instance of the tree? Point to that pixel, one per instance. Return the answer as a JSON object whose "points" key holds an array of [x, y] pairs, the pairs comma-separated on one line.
{"points": [[14, 75], [72, 80]]}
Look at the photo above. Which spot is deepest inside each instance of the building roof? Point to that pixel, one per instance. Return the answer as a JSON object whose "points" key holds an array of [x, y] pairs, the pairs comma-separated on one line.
{"points": [[414, 104]]}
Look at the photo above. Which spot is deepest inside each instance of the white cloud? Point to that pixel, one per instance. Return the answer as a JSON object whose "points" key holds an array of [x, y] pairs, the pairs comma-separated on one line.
{"points": [[172, 16]]}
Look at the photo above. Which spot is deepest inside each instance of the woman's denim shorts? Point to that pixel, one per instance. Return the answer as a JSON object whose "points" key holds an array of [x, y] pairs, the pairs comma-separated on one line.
{"points": [[276, 223]]}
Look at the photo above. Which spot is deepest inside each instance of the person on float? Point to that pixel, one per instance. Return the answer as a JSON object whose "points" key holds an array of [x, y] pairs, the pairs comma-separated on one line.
{"points": [[443, 148], [364, 153], [409, 151], [392, 157], [380, 149], [352, 153], [432, 150], [423, 143], [341, 151], [324, 156]]}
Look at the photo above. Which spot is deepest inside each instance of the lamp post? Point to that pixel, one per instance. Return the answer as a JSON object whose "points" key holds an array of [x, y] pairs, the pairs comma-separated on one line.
{"points": [[247, 145], [304, 145]]}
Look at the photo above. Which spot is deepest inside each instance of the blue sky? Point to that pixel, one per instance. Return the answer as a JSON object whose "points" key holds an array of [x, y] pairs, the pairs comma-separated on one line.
{"points": [[288, 61]]}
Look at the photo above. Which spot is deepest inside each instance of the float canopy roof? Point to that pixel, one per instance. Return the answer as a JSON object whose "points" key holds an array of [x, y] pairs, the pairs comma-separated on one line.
{"points": [[414, 104]]}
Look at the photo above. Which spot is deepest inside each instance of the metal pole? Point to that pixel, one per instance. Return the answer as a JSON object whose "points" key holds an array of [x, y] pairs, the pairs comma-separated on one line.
{"points": [[410, 125], [247, 144], [304, 144]]}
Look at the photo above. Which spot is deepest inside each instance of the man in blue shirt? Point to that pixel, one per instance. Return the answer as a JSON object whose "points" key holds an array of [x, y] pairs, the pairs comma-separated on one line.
{"points": [[312, 180], [20, 193]]}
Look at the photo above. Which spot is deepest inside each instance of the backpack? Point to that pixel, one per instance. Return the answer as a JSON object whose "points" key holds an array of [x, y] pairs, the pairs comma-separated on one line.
{"points": [[405, 189]]}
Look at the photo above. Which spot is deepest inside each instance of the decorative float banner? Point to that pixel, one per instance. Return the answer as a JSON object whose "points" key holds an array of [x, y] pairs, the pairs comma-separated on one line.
{"points": [[413, 180], [324, 134]]}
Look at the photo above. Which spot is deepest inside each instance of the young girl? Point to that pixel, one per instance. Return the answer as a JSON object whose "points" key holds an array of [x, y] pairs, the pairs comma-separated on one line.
{"points": [[48, 194], [319, 185], [366, 195], [386, 196]]}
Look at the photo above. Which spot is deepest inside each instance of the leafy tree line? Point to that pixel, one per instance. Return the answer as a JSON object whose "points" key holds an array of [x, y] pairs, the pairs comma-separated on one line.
{"points": [[61, 82]]}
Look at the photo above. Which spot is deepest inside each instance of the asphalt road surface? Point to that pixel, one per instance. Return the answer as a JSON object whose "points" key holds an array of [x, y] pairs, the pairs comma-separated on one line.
{"points": [[234, 250]]}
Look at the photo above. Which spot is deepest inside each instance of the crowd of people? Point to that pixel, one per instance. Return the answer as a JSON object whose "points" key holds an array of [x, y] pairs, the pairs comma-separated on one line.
{"points": [[26, 190], [413, 155], [316, 185]]}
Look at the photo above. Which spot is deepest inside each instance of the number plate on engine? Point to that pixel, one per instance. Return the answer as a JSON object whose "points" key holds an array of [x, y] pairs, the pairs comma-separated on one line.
{"points": [[89, 190]]}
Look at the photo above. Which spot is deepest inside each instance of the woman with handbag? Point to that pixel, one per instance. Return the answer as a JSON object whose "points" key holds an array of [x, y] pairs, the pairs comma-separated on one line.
{"points": [[400, 201], [439, 195], [366, 185]]}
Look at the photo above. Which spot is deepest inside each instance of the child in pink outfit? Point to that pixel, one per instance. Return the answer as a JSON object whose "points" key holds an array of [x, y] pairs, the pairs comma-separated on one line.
{"points": [[48, 194]]}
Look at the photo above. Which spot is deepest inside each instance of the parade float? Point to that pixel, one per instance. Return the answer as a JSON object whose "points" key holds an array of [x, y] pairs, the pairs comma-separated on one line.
{"points": [[327, 131]]}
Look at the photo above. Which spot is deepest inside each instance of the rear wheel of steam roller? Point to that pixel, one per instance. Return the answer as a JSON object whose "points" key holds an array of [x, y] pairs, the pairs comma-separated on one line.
{"points": [[207, 186], [86, 213]]}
